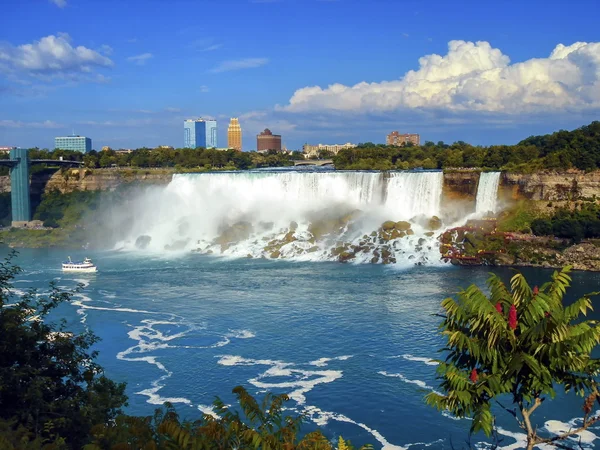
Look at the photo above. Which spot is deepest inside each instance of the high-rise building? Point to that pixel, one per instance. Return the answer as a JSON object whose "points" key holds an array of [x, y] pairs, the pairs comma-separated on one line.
{"points": [[199, 133], [266, 141], [75, 143], [234, 134], [398, 140]]}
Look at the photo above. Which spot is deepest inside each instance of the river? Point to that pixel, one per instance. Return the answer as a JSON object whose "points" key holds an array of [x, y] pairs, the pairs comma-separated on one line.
{"points": [[352, 344]]}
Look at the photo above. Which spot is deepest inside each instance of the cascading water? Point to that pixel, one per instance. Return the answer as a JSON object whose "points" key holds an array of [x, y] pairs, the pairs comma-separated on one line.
{"points": [[345, 216], [487, 192]]}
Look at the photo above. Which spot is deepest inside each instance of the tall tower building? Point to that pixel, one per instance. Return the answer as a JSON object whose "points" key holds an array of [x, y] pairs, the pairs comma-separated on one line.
{"points": [[396, 139], [234, 134], [199, 133]]}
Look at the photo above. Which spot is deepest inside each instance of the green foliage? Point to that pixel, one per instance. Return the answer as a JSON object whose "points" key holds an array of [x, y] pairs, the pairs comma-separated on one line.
{"points": [[185, 159], [50, 384], [575, 224], [491, 355], [559, 151], [251, 425]]}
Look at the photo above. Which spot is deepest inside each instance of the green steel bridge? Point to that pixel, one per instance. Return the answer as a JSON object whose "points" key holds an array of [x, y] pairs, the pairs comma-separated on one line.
{"points": [[19, 181]]}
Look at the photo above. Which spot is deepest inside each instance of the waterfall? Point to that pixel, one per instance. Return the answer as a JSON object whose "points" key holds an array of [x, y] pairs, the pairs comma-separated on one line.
{"points": [[415, 193], [292, 214], [487, 192]]}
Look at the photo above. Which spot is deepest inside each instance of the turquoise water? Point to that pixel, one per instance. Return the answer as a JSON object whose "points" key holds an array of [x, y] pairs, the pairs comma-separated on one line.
{"points": [[351, 344]]}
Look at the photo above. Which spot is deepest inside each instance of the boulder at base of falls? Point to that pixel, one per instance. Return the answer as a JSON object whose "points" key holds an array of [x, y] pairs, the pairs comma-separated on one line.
{"points": [[389, 225], [177, 245], [142, 241], [402, 225], [435, 223]]}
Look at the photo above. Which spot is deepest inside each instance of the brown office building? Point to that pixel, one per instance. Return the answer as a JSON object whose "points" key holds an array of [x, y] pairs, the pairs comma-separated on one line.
{"points": [[266, 141], [234, 135], [398, 140]]}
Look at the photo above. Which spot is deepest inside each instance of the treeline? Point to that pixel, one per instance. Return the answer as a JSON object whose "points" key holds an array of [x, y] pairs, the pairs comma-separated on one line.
{"points": [[577, 224], [181, 158], [562, 150]]}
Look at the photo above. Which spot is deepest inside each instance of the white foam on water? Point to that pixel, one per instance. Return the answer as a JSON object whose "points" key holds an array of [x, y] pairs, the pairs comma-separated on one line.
{"points": [[208, 410], [419, 383], [241, 334], [322, 418], [322, 362], [428, 361]]}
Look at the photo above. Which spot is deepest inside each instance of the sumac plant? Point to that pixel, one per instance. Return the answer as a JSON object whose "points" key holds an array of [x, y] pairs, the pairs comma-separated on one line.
{"points": [[520, 344]]}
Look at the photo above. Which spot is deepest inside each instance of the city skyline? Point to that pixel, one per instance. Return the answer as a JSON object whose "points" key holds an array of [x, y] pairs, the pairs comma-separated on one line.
{"points": [[485, 84]]}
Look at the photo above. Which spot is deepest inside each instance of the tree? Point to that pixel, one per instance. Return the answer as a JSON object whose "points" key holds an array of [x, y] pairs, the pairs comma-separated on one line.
{"points": [[50, 384], [518, 342]]}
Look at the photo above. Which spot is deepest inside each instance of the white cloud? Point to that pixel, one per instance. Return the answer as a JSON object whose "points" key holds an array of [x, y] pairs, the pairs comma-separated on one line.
{"points": [[105, 50], [237, 64], [172, 109], [50, 57], [204, 89], [140, 60], [19, 124], [472, 77], [59, 3]]}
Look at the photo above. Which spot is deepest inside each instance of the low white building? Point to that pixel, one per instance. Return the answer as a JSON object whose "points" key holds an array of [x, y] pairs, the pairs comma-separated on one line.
{"points": [[314, 150]]}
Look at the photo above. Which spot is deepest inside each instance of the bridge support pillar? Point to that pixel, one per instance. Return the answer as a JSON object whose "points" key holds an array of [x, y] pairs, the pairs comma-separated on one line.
{"points": [[19, 185]]}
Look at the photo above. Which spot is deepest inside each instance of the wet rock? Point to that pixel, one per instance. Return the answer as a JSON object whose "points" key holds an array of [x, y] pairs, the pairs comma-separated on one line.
{"points": [[239, 231], [410, 232], [177, 245], [276, 254], [429, 234], [389, 225], [249, 256], [313, 249], [346, 256], [293, 226], [402, 225], [421, 241], [374, 259], [435, 223], [142, 241]]}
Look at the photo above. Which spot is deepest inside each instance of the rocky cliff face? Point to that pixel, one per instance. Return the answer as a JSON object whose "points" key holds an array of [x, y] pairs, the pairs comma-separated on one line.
{"points": [[550, 186], [98, 179]]}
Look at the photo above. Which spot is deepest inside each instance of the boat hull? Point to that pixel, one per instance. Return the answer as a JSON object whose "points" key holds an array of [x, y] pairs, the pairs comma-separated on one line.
{"points": [[80, 269]]}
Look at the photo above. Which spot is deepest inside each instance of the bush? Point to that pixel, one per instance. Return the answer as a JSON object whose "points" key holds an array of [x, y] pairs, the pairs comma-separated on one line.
{"points": [[541, 227]]}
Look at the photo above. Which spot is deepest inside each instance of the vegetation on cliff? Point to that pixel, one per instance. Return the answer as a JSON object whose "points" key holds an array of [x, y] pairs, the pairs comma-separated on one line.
{"points": [[518, 344], [583, 221], [562, 150]]}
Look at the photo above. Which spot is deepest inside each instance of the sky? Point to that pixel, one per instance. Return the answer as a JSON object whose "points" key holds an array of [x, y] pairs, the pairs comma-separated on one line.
{"points": [[127, 73]]}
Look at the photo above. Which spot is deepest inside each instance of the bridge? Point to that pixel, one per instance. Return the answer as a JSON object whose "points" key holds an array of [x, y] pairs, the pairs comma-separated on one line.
{"points": [[314, 162], [19, 182]]}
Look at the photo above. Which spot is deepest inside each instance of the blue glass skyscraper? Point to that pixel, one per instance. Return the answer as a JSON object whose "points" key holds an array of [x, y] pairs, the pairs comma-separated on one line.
{"points": [[200, 133]]}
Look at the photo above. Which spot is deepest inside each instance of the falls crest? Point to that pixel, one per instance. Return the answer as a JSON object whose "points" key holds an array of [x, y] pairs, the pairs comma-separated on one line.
{"points": [[487, 193]]}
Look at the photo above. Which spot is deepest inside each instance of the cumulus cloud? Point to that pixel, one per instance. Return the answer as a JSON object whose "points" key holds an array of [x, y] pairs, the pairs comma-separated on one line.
{"points": [[472, 77], [51, 57], [140, 60], [59, 3], [237, 64]]}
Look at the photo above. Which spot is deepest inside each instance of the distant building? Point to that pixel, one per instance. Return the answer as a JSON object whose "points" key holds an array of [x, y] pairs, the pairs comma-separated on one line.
{"points": [[234, 134], [397, 139], [6, 149], [199, 133], [123, 151], [266, 141], [75, 143], [165, 147], [106, 148], [313, 150]]}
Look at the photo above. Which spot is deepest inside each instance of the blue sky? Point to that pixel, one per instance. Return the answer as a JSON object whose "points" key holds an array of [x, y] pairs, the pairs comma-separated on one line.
{"points": [[127, 73]]}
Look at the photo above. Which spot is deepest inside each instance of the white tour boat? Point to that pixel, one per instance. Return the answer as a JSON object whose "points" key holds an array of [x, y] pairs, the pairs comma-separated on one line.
{"points": [[86, 266]]}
